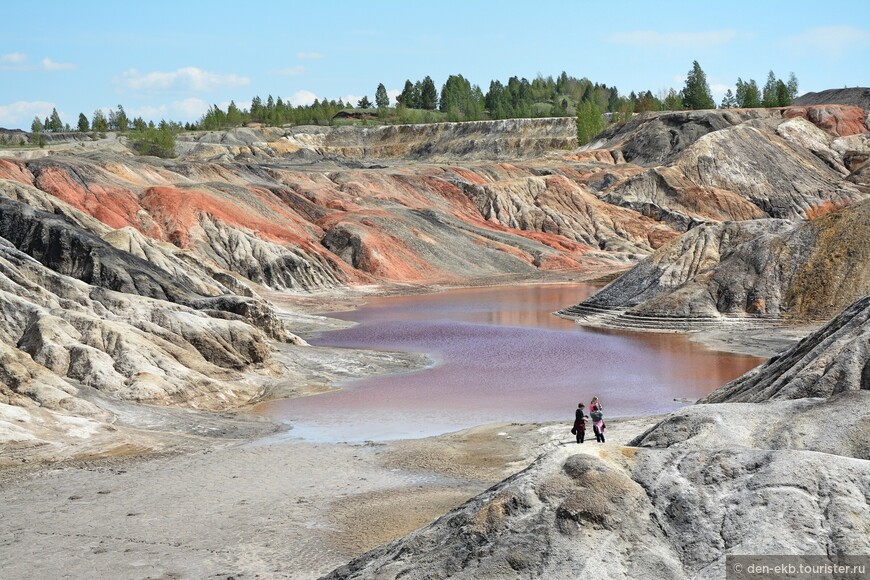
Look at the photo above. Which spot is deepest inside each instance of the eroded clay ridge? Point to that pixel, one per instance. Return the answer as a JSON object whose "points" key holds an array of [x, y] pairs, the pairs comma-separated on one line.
{"points": [[750, 271], [721, 181], [125, 278], [708, 481], [141, 278]]}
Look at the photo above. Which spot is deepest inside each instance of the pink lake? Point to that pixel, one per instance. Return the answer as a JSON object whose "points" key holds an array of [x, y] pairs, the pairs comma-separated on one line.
{"points": [[499, 354]]}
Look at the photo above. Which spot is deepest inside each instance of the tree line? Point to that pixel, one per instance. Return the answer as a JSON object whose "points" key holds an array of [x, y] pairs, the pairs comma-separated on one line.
{"points": [[458, 100], [694, 95], [147, 138]]}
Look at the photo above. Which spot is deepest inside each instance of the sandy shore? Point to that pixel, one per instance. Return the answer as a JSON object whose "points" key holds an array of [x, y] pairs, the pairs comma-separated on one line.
{"points": [[172, 493], [762, 342]]}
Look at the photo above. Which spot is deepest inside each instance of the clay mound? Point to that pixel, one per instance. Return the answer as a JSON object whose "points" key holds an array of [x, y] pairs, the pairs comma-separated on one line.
{"points": [[62, 332], [747, 171], [261, 218], [833, 360], [857, 96], [761, 269], [637, 513], [676, 264], [554, 204], [652, 139], [776, 424]]}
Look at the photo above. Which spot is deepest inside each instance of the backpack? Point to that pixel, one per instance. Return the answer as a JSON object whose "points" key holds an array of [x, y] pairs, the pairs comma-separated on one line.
{"points": [[596, 416]]}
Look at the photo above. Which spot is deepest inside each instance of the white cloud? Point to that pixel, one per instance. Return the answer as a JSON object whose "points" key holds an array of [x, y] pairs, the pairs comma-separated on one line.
{"points": [[13, 58], [184, 79], [302, 98], [291, 70], [831, 40], [148, 112], [718, 91], [393, 93], [21, 113], [654, 39], [13, 61], [352, 99], [49, 64], [189, 109], [310, 55]]}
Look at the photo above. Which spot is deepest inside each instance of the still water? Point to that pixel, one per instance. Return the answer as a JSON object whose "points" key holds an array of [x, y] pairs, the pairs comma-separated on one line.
{"points": [[499, 354]]}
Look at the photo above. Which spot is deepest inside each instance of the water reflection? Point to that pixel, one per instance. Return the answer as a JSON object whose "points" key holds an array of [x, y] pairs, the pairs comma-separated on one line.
{"points": [[501, 356]]}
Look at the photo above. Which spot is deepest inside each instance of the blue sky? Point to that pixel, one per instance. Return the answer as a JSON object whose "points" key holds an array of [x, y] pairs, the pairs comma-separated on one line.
{"points": [[173, 59]]}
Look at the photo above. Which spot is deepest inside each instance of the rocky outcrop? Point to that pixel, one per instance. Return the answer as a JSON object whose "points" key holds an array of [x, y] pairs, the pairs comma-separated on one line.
{"points": [[653, 139], [760, 269]]}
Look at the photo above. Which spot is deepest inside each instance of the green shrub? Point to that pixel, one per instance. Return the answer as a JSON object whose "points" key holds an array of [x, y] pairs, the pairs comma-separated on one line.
{"points": [[155, 141]]}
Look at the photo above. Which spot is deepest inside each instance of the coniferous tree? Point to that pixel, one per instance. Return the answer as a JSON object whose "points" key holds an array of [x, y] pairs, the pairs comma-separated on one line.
{"points": [[783, 97], [728, 101], [613, 101], [792, 86], [382, 100], [37, 126], [364, 103], [496, 101], [768, 96], [696, 93], [55, 123], [748, 96], [83, 125], [673, 101], [256, 109], [121, 121], [234, 116], [157, 141], [407, 98], [453, 94], [428, 94], [98, 122]]}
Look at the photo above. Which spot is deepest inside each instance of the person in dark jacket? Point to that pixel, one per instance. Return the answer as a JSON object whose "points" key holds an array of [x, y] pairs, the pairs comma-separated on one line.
{"points": [[579, 428]]}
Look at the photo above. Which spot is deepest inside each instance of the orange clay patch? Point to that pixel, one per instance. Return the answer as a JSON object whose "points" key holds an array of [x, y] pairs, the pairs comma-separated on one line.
{"points": [[114, 206], [15, 171]]}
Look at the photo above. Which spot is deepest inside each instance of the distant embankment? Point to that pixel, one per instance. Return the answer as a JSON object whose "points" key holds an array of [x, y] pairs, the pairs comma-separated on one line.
{"points": [[858, 96], [492, 140]]}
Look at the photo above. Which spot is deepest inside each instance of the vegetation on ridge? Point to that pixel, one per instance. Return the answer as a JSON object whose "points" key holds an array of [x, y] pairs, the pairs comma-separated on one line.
{"points": [[459, 100]]}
